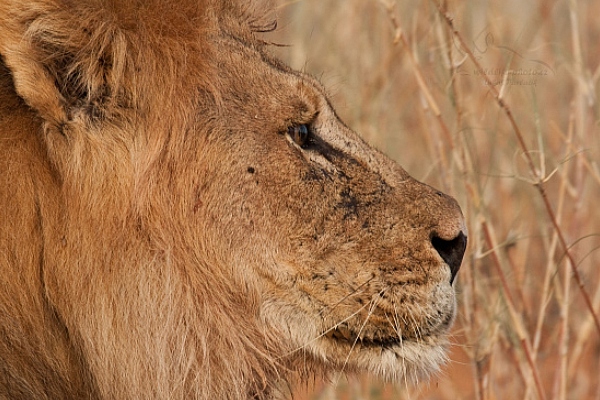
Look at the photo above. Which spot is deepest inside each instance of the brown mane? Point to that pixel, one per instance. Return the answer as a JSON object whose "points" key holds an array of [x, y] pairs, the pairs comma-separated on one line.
{"points": [[142, 55]]}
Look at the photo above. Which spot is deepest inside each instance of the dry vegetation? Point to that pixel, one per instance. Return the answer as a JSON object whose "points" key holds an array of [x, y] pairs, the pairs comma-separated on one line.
{"points": [[522, 158]]}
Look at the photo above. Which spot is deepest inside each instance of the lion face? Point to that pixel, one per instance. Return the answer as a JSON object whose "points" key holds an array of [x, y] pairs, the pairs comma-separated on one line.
{"points": [[353, 259]]}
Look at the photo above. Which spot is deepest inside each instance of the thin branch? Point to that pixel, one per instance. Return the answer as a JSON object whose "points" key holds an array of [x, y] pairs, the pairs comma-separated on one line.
{"points": [[516, 320]]}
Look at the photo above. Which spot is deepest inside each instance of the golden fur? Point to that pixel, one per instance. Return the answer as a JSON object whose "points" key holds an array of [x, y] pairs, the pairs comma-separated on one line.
{"points": [[182, 216]]}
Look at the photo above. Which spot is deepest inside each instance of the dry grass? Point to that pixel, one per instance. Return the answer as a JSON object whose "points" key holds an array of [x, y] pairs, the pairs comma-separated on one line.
{"points": [[522, 157]]}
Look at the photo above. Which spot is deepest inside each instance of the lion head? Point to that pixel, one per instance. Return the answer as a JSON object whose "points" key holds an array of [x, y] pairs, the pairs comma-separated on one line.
{"points": [[183, 216]]}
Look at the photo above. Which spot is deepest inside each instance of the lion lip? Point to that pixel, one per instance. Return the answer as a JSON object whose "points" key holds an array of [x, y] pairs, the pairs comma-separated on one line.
{"points": [[344, 335]]}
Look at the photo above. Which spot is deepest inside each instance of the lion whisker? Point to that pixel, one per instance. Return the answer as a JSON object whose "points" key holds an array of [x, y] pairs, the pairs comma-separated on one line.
{"points": [[324, 333], [354, 292], [373, 304], [396, 326]]}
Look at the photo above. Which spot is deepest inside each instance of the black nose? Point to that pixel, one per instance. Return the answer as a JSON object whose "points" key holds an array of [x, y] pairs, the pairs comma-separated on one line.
{"points": [[452, 251]]}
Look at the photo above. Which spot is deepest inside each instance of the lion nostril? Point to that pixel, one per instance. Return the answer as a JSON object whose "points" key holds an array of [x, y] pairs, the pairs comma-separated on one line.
{"points": [[452, 251]]}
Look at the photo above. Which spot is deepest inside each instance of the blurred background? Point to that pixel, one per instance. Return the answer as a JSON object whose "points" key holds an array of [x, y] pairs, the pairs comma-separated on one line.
{"points": [[527, 324]]}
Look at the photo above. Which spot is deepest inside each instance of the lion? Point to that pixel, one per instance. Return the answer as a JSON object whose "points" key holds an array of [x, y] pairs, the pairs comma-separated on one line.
{"points": [[184, 216]]}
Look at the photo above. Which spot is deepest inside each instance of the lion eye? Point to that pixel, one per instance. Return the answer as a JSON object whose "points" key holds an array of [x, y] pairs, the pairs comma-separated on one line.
{"points": [[300, 134]]}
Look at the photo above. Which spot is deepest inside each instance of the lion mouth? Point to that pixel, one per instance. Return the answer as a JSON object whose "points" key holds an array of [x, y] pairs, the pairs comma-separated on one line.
{"points": [[345, 336]]}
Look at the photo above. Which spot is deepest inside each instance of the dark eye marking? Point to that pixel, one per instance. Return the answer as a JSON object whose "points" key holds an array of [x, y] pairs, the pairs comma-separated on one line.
{"points": [[300, 134]]}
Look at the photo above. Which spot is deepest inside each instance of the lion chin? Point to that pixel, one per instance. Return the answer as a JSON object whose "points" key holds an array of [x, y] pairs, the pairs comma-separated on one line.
{"points": [[371, 344], [392, 358]]}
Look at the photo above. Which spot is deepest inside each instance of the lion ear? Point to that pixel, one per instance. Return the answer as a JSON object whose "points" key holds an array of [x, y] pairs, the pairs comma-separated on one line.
{"points": [[56, 64]]}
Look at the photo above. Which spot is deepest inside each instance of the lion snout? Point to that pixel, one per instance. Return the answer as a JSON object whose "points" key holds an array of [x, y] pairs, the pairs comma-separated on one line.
{"points": [[442, 221]]}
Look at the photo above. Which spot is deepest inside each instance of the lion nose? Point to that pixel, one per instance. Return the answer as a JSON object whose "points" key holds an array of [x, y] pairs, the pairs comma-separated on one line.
{"points": [[451, 251]]}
